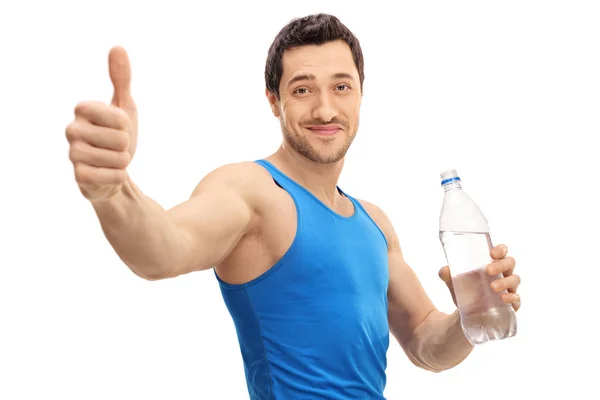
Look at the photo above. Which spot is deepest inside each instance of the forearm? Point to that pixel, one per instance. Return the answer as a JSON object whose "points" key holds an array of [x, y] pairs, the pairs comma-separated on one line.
{"points": [[141, 232], [439, 342]]}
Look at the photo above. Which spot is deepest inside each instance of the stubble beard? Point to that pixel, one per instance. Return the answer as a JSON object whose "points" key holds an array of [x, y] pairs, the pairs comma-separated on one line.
{"points": [[303, 147]]}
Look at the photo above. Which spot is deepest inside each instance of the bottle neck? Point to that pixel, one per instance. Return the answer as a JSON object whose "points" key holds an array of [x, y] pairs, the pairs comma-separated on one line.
{"points": [[452, 184]]}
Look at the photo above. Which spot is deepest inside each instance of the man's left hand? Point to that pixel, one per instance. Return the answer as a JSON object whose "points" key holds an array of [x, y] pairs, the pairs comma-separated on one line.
{"points": [[504, 267]]}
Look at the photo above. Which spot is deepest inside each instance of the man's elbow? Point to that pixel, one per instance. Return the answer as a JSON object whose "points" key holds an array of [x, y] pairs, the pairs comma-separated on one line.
{"points": [[430, 368], [438, 369], [424, 361], [149, 273]]}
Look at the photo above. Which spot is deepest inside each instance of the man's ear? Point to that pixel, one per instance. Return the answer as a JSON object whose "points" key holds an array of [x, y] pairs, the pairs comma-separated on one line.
{"points": [[273, 102]]}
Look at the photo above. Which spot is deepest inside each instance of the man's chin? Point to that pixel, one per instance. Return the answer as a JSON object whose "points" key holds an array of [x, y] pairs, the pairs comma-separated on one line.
{"points": [[326, 157]]}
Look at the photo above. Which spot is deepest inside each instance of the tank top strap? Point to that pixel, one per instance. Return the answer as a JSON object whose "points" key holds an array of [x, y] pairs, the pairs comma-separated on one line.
{"points": [[304, 199], [281, 179]]}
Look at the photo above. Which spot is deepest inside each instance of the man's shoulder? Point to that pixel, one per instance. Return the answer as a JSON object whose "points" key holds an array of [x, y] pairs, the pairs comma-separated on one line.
{"points": [[237, 173], [381, 220], [247, 178], [374, 211]]}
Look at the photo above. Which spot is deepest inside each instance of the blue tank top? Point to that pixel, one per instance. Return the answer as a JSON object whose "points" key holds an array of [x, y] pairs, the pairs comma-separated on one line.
{"points": [[314, 326]]}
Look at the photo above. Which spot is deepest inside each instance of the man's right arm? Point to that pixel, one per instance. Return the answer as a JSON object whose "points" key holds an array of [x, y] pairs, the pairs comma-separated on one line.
{"points": [[153, 242], [195, 235]]}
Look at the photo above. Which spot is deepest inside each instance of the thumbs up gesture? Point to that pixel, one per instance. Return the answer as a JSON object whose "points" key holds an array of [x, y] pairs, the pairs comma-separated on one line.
{"points": [[103, 137]]}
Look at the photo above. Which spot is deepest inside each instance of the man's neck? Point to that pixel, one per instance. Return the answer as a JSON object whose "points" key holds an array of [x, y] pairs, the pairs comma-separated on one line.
{"points": [[319, 179]]}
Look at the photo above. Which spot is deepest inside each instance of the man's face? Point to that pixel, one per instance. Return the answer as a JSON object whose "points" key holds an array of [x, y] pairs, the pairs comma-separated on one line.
{"points": [[320, 99]]}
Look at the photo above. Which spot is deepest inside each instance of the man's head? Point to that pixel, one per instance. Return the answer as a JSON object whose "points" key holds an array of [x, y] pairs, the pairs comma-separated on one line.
{"points": [[314, 77]]}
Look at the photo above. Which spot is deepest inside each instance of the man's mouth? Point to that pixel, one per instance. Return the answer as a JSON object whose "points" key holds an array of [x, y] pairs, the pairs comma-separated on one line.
{"points": [[325, 130]]}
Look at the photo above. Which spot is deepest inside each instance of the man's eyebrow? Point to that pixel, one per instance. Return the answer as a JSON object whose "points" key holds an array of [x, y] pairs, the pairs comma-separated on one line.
{"points": [[310, 77], [343, 75], [303, 77]]}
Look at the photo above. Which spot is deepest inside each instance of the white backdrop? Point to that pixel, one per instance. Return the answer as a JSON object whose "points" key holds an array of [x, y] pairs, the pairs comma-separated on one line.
{"points": [[506, 92]]}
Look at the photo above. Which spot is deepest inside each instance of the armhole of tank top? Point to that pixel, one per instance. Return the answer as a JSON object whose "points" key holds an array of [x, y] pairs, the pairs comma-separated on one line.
{"points": [[288, 253], [360, 206], [275, 175], [282, 182]]}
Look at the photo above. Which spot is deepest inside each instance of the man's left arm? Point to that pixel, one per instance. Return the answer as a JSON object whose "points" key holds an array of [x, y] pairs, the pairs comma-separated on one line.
{"points": [[431, 339]]}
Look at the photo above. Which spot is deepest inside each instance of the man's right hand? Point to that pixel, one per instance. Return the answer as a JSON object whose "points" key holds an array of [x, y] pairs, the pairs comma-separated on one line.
{"points": [[103, 137]]}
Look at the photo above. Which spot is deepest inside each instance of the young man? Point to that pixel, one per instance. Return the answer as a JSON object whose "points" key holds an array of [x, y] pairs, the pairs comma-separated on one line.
{"points": [[314, 279]]}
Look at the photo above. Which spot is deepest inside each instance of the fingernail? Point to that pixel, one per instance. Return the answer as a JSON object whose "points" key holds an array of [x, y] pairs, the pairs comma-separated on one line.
{"points": [[495, 286]]}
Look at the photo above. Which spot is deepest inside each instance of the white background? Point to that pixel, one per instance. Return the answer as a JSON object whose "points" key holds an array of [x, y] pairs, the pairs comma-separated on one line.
{"points": [[506, 92]]}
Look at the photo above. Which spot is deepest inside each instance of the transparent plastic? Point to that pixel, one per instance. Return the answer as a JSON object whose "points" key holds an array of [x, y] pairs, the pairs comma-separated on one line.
{"points": [[465, 237]]}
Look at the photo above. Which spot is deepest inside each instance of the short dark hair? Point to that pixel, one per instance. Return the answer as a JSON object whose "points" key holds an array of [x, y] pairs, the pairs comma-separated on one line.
{"points": [[313, 29]]}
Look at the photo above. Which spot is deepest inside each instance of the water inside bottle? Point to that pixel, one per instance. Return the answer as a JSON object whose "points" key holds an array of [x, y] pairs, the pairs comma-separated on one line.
{"points": [[484, 315]]}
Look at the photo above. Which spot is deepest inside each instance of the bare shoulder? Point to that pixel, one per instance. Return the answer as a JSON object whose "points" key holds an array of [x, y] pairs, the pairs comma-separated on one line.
{"points": [[246, 177], [246, 180], [382, 221], [374, 212]]}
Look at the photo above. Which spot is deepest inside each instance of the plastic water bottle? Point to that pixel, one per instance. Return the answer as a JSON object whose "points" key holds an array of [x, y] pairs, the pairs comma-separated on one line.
{"points": [[465, 237]]}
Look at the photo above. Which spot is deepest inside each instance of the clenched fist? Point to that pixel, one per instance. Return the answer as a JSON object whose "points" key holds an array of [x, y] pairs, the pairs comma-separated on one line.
{"points": [[103, 137]]}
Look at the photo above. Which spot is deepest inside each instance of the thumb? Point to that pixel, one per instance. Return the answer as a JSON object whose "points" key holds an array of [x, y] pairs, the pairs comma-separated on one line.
{"points": [[120, 76], [447, 278], [444, 275]]}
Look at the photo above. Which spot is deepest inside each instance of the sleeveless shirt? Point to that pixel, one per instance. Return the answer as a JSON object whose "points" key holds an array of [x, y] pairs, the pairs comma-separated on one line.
{"points": [[314, 326]]}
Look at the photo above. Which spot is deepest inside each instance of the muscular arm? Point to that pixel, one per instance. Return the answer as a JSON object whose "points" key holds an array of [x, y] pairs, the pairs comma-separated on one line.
{"points": [[431, 339], [195, 235]]}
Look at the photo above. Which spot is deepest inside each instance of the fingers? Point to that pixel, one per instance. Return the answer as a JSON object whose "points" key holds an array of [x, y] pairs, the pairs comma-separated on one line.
{"points": [[97, 136], [504, 266], [103, 115], [82, 152], [513, 299], [498, 252], [89, 175], [98, 149], [510, 283]]}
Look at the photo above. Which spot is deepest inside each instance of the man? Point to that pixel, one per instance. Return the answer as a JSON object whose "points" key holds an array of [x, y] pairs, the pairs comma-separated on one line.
{"points": [[314, 279]]}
